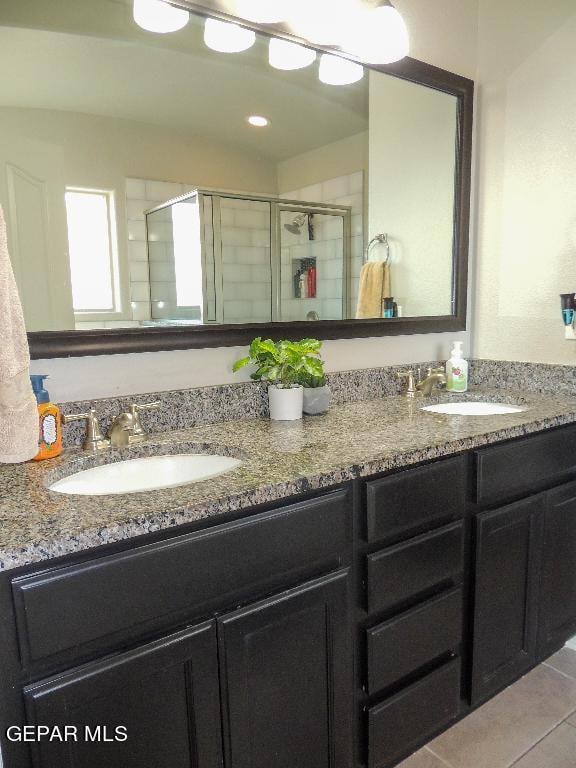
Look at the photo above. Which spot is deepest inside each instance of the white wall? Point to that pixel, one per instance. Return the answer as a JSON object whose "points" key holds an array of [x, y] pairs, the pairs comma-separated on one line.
{"points": [[527, 192], [442, 33]]}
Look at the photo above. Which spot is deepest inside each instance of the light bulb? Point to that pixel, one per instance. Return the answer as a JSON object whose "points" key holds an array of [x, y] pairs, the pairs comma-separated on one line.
{"points": [[335, 70], [227, 38], [324, 22], [262, 11], [286, 55], [158, 16], [379, 36]]}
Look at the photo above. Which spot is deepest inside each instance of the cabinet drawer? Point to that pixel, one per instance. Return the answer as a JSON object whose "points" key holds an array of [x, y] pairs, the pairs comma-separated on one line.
{"points": [[96, 604], [407, 642], [402, 572], [404, 722], [411, 501], [520, 467]]}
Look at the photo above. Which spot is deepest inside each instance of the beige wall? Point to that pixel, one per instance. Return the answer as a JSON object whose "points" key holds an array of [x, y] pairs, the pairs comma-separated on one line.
{"points": [[103, 151], [411, 190], [442, 33], [340, 158], [527, 184]]}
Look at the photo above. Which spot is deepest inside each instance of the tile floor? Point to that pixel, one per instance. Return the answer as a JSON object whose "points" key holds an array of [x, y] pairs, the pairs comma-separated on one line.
{"points": [[532, 724]]}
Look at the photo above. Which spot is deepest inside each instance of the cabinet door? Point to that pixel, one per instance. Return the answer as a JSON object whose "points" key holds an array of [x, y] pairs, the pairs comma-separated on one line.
{"points": [[287, 679], [557, 622], [508, 544], [165, 694]]}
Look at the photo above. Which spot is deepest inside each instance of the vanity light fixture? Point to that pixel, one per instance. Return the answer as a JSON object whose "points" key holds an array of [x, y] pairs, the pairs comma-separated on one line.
{"points": [[262, 11], [286, 55], [159, 16], [225, 37], [378, 35], [323, 22], [258, 121], [334, 70]]}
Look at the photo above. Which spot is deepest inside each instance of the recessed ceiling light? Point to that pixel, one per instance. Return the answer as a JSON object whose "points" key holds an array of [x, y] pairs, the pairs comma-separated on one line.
{"points": [[334, 70], [159, 16], [224, 37], [258, 121], [286, 55]]}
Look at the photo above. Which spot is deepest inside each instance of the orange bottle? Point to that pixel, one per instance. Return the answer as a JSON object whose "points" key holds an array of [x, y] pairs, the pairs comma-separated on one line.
{"points": [[50, 424]]}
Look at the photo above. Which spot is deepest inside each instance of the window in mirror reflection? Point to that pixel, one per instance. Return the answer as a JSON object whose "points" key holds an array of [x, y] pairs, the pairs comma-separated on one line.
{"points": [[187, 256], [92, 251]]}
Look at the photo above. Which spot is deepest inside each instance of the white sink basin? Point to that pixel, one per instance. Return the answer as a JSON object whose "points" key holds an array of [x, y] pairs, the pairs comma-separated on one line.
{"points": [[474, 409], [147, 474]]}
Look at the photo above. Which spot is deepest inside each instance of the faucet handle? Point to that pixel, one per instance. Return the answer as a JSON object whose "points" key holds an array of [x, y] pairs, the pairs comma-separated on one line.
{"points": [[135, 410], [411, 382], [94, 440], [136, 407]]}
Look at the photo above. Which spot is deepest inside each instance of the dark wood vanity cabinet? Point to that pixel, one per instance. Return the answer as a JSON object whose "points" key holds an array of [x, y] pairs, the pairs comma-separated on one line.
{"points": [[345, 628], [524, 606], [508, 556], [557, 615], [163, 650], [281, 666], [162, 697], [286, 679]]}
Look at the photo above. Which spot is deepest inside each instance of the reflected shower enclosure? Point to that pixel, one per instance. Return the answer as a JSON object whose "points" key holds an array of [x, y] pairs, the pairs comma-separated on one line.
{"points": [[219, 257]]}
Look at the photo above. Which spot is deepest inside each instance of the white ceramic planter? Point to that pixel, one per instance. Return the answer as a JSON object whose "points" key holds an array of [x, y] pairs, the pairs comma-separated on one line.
{"points": [[285, 404], [316, 400]]}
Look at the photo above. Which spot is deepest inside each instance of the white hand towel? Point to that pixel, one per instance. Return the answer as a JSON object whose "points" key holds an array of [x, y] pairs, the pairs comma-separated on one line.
{"points": [[18, 410]]}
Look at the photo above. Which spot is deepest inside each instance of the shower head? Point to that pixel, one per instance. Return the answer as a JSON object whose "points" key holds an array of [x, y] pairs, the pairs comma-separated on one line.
{"points": [[295, 227]]}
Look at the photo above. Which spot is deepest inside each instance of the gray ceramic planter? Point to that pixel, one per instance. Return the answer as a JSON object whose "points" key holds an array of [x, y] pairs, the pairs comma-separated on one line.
{"points": [[316, 400]]}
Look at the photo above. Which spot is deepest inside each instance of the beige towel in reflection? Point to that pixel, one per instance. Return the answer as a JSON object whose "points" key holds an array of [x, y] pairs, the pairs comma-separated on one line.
{"points": [[374, 288], [18, 411]]}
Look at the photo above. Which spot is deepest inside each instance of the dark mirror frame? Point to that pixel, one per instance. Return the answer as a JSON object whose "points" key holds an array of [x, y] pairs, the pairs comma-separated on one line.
{"points": [[49, 344]]}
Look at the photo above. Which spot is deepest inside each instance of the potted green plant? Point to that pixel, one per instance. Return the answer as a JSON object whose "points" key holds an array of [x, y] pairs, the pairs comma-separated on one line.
{"points": [[316, 395], [283, 364]]}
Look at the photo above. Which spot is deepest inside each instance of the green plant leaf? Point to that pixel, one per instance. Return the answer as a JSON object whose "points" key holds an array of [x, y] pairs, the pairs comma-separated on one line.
{"points": [[241, 363], [285, 362]]}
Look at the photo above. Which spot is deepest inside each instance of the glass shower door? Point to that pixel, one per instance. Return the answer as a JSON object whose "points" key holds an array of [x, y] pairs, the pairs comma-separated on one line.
{"points": [[246, 273], [314, 254]]}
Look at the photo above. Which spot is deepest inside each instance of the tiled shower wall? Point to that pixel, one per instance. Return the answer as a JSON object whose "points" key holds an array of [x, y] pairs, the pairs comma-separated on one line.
{"points": [[247, 279], [326, 248]]}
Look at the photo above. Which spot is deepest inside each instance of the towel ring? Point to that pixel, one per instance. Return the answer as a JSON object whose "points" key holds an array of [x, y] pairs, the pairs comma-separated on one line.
{"points": [[381, 238]]}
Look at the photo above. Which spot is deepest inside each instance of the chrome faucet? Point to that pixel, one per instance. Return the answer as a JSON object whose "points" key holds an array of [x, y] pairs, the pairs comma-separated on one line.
{"points": [[94, 440], [417, 386], [127, 428]]}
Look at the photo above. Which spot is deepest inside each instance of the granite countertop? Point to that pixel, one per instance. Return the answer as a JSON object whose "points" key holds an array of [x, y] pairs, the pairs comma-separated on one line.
{"points": [[279, 459]]}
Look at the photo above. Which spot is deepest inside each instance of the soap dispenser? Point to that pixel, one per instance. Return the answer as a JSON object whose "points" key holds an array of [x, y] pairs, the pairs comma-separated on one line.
{"points": [[457, 370], [50, 425]]}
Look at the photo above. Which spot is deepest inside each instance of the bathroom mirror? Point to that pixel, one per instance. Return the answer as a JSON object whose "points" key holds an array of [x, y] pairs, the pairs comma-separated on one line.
{"points": [[160, 194]]}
